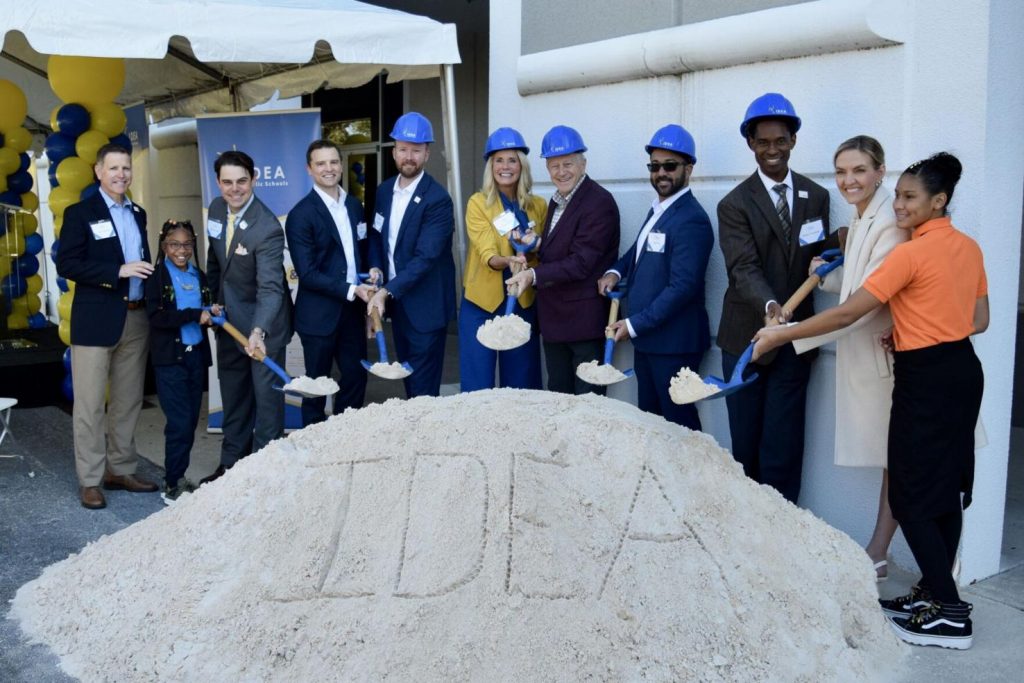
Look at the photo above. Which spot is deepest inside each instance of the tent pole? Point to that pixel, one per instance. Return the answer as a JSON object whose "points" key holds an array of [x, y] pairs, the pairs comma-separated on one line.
{"points": [[451, 138]]}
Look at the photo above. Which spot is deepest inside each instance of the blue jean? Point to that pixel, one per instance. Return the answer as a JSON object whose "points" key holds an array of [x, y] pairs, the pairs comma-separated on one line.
{"points": [[180, 390], [518, 368]]}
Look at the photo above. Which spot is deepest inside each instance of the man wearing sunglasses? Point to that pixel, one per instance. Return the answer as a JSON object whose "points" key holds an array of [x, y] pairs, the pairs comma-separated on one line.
{"points": [[665, 267]]}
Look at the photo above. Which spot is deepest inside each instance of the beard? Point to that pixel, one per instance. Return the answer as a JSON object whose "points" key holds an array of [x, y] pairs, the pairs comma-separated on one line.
{"points": [[410, 170]]}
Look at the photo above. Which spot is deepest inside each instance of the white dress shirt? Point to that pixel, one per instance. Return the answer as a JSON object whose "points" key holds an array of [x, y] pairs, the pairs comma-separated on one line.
{"points": [[400, 198], [336, 207]]}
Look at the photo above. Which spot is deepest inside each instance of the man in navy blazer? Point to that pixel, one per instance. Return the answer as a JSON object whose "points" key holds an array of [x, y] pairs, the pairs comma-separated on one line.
{"points": [[323, 232], [580, 242], [411, 244], [664, 271], [104, 251]]}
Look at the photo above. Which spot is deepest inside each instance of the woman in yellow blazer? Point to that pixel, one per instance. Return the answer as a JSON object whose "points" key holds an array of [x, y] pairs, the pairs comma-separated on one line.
{"points": [[864, 378], [503, 209]]}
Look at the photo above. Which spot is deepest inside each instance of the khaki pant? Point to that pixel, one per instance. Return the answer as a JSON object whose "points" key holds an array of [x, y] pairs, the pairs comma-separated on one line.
{"points": [[109, 439]]}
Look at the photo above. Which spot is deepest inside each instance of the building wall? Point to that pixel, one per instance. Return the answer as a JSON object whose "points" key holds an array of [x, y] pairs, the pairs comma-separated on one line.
{"points": [[932, 84]]}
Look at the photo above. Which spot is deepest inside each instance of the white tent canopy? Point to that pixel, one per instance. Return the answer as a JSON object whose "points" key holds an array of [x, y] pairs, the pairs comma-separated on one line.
{"points": [[187, 57]]}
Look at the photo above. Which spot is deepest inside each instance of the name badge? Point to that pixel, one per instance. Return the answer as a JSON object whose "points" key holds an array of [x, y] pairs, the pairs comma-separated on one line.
{"points": [[505, 223], [378, 222], [656, 242], [812, 231], [802, 194], [214, 228], [361, 230], [102, 230]]}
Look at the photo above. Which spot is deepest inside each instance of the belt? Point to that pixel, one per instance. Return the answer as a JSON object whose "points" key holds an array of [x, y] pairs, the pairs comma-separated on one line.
{"points": [[137, 304]]}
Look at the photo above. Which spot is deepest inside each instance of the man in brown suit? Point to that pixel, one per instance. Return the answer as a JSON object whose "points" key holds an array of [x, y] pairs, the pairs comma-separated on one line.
{"points": [[580, 242], [769, 228]]}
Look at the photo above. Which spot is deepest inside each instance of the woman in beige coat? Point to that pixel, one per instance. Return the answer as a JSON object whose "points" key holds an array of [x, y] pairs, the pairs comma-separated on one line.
{"points": [[863, 366]]}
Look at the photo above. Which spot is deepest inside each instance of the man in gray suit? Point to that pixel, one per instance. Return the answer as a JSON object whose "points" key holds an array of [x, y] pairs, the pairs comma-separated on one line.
{"points": [[245, 268]]}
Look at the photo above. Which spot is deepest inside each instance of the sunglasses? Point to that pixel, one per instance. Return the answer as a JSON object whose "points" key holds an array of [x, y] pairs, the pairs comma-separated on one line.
{"points": [[669, 166]]}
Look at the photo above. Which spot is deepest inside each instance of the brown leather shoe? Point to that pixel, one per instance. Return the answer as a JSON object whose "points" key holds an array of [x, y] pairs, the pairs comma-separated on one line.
{"points": [[128, 482], [217, 474], [92, 498]]}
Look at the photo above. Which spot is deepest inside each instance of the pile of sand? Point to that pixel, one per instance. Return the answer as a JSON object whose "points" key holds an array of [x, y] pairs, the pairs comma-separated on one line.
{"points": [[687, 387], [319, 386], [499, 535], [599, 373], [393, 370]]}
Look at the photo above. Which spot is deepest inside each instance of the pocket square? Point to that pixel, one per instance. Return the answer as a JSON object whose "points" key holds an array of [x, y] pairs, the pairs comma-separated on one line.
{"points": [[240, 250]]}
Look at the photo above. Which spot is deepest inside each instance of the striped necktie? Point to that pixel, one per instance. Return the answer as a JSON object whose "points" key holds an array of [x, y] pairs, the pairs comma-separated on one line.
{"points": [[782, 208]]}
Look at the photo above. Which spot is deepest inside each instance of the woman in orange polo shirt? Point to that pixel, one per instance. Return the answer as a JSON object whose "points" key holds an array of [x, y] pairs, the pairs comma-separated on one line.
{"points": [[937, 292]]}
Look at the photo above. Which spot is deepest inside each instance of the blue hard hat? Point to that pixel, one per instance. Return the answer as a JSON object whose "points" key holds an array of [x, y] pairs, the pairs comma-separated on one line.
{"points": [[674, 138], [413, 127], [561, 140], [770, 105], [504, 138]]}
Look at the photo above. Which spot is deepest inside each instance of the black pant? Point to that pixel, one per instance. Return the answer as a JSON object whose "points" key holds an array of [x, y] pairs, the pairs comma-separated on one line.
{"points": [[562, 358], [179, 387], [346, 346], [766, 420], [253, 408], [933, 543]]}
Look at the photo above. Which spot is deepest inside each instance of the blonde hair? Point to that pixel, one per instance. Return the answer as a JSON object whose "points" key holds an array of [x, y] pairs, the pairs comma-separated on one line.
{"points": [[490, 190]]}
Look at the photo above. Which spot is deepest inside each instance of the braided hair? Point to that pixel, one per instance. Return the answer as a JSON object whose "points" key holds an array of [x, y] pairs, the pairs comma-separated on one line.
{"points": [[168, 228]]}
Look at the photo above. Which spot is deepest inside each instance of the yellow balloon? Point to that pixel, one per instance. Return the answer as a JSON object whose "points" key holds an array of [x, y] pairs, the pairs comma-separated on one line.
{"points": [[64, 331], [71, 285], [29, 201], [85, 80], [17, 138], [74, 173], [108, 118], [35, 284], [13, 105], [64, 305], [26, 305], [17, 321], [88, 143], [9, 161], [61, 198], [12, 243], [53, 118], [5, 265]]}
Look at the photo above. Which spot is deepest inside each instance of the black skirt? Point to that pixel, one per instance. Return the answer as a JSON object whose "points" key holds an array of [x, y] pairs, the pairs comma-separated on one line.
{"points": [[935, 405]]}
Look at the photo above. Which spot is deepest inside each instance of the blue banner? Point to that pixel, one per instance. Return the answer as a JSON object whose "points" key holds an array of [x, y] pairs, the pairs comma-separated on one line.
{"points": [[277, 143], [137, 127]]}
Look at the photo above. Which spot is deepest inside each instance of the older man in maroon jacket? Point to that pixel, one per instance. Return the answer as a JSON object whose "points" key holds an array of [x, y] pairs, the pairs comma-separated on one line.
{"points": [[580, 242]]}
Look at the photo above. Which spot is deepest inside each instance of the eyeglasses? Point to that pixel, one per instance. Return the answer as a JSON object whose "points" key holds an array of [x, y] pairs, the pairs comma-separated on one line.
{"points": [[179, 246], [669, 166]]}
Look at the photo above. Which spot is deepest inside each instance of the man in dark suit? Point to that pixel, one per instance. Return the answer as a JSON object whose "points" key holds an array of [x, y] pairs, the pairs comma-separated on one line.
{"points": [[769, 227], [664, 270], [411, 242], [580, 242], [103, 249], [323, 232], [245, 268]]}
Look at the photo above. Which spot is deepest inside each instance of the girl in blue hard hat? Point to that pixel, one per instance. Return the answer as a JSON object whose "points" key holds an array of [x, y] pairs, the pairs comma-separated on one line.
{"points": [[502, 211]]}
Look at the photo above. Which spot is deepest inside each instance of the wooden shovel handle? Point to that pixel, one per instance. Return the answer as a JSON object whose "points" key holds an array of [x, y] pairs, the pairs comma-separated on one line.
{"points": [[241, 339], [799, 295], [613, 315], [378, 326]]}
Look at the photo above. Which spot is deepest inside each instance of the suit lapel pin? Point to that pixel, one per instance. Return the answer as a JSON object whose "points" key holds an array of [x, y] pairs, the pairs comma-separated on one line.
{"points": [[416, 199]]}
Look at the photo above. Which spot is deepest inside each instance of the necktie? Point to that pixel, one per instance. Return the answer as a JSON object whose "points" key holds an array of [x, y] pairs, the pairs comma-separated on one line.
{"points": [[230, 231], [782, 208]]}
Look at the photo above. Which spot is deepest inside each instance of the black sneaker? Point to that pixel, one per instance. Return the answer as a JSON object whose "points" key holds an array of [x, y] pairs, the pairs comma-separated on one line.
{"points": [[943, 624], [904, 606], [171, 494]]}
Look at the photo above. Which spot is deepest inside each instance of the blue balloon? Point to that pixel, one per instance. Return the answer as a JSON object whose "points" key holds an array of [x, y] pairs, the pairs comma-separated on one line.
{"points": [[52, 175], [67, 359], [62, 284], [122, 140], [58, 148], [89, 191], [20, 182], [33, 243], [14, 286], [25, 161], [67, 388], [54, 248], [10, 197], [27, 265], [73, 120], [37, 321]]}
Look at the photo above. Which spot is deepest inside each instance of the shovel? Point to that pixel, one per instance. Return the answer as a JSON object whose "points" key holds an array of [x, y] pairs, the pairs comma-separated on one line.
{"points": [[383, 368], [263, 358], [606, 373], [834, 258], [514, 331]]}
